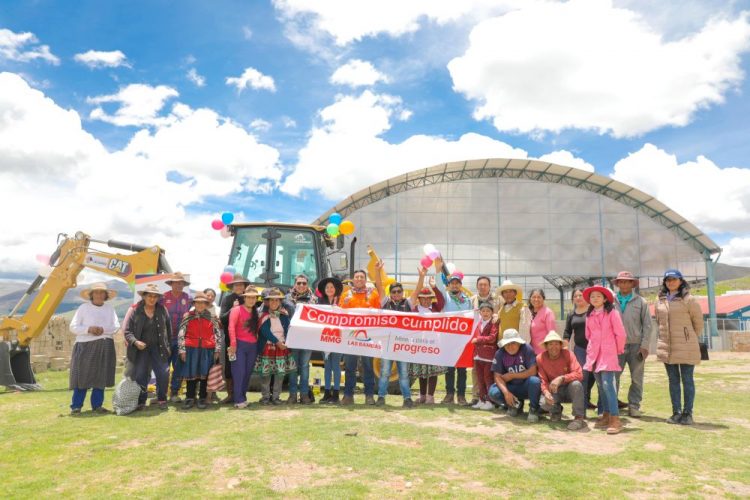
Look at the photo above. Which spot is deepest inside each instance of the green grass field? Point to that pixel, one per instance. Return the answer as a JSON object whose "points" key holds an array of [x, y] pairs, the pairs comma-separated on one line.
{"points": [[334, 452]]}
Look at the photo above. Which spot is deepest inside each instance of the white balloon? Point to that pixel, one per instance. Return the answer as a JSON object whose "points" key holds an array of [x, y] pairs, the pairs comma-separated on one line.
{"points": [[429, 248]]}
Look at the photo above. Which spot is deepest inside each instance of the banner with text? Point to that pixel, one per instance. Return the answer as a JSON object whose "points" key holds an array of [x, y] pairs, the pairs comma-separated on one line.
{"points": [[442, 339]]}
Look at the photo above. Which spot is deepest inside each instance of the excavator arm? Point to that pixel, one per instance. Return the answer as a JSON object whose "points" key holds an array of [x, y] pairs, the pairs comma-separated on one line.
{"points": [[72, 255]]}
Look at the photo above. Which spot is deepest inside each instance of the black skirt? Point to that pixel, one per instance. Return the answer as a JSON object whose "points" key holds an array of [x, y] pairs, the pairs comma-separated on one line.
{"points": [[93, 364]]}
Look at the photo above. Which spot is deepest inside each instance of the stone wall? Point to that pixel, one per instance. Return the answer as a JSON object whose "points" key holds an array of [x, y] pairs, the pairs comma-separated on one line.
{"points": [[740, 341]]}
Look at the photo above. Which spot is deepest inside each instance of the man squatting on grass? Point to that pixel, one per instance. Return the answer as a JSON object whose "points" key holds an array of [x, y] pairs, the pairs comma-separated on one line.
{"points": [[547, 379]]}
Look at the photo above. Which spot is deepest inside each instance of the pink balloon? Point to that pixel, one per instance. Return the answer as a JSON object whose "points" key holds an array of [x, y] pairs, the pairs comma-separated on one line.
{"points": [[226, 278], [434, 255], [217, 224], [43, 259], [426, 261], [225, 232]]}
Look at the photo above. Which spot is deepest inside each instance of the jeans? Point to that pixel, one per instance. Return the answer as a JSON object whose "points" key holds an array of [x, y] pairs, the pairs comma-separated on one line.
{"points": [[675, 373], [174, 362], [79, 396], [299, 381], [588, 377], [332, 368], [145, 361], [350, 368], [568, 393], [529, 388], [633, 359], [403, 377], [607, 384], [242, 368], [450, 381]]}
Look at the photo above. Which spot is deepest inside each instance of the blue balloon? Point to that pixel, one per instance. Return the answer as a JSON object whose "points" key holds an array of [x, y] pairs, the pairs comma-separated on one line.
{"points": [[335, 218], [230, 269], [227, 217]]}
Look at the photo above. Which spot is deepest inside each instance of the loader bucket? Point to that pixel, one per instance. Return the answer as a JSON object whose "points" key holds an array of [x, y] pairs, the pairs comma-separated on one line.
{"points": [[15, 368]]}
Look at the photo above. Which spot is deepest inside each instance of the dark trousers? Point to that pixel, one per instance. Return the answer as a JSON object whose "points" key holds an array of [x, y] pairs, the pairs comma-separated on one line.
{"points": [[484, 378], [350, 365], [174, 362], [145, 361], [242, 368], [193, 384], [450, 381], [588, 377]]}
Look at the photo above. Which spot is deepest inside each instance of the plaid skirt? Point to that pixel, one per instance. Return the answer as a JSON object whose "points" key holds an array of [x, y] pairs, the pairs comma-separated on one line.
{"points": [[93, 364], [425, 371]]}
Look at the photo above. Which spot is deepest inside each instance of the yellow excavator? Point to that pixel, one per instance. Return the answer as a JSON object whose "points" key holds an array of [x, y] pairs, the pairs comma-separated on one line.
{"points": [[72, 255]]}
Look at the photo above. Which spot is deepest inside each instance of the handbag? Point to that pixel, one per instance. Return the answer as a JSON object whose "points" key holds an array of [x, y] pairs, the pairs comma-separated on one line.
{"points": [[215, 378], [704, 350]]}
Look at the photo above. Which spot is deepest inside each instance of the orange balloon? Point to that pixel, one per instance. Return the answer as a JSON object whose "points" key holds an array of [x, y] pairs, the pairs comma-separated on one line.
{"points": [[346, 227]]}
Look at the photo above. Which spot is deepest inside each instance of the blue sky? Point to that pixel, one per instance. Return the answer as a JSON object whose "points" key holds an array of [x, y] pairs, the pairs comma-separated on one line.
{"points": [[654, 95]]}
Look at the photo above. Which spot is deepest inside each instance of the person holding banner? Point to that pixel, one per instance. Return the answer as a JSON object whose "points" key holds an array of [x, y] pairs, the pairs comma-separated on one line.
{"points": [[516, 377], [455, 300], [396, 302], [299, 381], [276, 360], [422, 304], [359, 296], [330, 290]]}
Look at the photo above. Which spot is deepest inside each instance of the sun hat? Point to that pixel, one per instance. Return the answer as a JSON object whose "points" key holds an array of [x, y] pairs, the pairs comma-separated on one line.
{"points": [[86, 294], [552, 336], [338, 285], [509, 285], [150, 288], [251, 291], [624, 276], [511, 335], [201, 297], [238, 278], [272, 293], [177, 277], [604, 291], [672, 273]]}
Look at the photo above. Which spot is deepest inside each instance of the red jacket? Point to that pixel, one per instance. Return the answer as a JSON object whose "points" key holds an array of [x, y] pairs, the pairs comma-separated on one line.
{"points": [[200, 333], [486, 345]]}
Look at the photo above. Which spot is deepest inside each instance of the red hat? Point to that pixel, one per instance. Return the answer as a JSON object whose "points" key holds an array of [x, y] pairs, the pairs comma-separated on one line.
{"points": [[604, 291]]}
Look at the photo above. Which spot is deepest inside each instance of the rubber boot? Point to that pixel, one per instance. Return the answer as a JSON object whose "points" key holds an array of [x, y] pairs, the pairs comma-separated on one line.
{"points": [[602, 422], [615, 426]]}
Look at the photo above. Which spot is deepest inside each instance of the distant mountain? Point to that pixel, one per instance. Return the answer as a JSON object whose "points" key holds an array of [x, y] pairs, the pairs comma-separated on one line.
{"points": [[12, 291], [726, 272]]}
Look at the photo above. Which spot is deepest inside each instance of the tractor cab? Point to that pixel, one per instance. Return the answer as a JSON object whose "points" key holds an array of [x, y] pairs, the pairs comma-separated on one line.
{"points": [[271, 255]]}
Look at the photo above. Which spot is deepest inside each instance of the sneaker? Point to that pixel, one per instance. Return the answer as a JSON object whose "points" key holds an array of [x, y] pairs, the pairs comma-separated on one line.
{"points": [[175, 399], [240, 406], [188, 404], [347, 400], [615, 426], [676, 418], [486, 406], [429, 400], [448, 399], [380, 402], [512, 411], [533, 417], [265, 401], [687, 419], [277, 401], [477, 405], [474, 401], [75, 411], [370, 400], [408, 403], [621, 404], [422, 399], [163, 405], [635, 412], [201, 405], [577, 425], [555, 417], [602, 422]]}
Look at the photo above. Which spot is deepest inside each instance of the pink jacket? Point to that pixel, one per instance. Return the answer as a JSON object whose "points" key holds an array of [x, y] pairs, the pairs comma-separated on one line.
{"points": [[606, 335], [541, 325]]}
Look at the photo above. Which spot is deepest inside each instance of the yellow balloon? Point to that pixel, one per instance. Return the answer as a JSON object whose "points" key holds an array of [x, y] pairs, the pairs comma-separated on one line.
{"points": [[346, 227]]}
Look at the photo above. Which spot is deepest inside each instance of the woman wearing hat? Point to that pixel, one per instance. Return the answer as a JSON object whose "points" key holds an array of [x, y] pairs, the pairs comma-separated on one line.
{"points": [[606, 335], [148, 333], [243, 343], [199, 343], [421, 302], [329, 290], [680, 322], [276, 359], [92, 365], [230, 300]]}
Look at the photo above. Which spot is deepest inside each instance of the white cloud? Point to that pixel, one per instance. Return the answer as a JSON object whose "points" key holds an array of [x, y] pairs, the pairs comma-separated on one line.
{"points": [[99, 59], [348, 21], [713, 198], [357, 73], [24, 47], [260, 125], [139, 104], [288, 122], [252, 78], [567, 159], [66, 181], [348, 141], [737, 252], [595, 67], [198, 80], [247, 32]]}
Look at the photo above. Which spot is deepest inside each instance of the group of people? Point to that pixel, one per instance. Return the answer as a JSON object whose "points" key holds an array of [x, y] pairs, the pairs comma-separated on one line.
{"points": [[518, 354]]}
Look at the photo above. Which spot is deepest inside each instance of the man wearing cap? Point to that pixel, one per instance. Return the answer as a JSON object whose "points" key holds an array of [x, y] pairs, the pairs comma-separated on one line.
{"points": [[512, 312], [561, 377], [299, 380], [515, 372], [235, 298], [148, 334], [177, 303], [455, 300], [636, 317]]}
